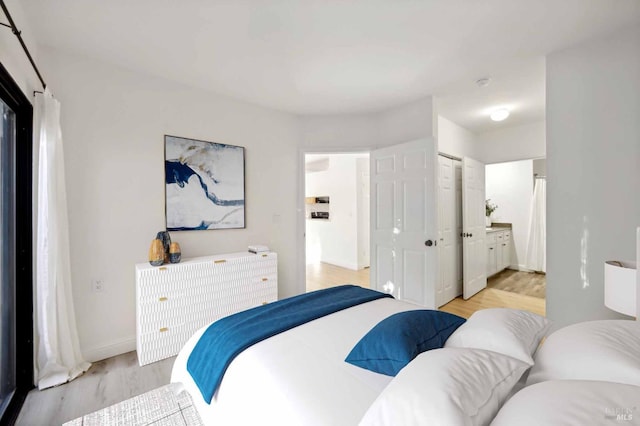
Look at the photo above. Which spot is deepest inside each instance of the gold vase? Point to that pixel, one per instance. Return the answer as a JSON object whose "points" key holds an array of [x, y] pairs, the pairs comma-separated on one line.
{"points": [[156, 253], [174, 253]]}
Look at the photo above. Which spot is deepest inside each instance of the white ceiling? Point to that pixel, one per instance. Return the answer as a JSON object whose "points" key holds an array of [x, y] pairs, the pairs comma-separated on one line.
{"points": [[339, 56]]}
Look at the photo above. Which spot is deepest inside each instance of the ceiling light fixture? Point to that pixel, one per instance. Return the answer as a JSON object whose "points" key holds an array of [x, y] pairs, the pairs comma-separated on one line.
{"points": [[499, 114]]}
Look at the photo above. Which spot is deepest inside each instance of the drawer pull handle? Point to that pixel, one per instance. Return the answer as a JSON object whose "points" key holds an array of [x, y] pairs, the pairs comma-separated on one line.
{"points": [[163, 329], [163, 268], [264, 255], [264, 303], [265, 279], [163, 299], [219, 261]]}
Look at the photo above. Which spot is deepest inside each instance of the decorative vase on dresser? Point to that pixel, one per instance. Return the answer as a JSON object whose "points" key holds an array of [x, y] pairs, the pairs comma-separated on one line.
{"points": [[174, 253], [175, 300], [166, 243], [156, 253]]}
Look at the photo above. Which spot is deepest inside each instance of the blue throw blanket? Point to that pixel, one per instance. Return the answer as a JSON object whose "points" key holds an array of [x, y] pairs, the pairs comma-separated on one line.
{"points": [[228, 337]]}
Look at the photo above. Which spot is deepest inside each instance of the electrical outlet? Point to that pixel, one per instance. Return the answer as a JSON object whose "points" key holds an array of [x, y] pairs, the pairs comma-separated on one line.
{"points": [[97, 286]]}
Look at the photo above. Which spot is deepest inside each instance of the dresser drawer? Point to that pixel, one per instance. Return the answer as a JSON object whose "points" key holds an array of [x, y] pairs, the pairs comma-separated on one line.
{"points": [[161, 313], [161, 343], [173, 301]]}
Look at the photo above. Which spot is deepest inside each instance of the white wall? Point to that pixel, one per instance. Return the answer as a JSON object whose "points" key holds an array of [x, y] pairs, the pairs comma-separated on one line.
{"points": [[113, 124], [593, 170], [407, 122], [336, 239], [327, 132], [363, 185], [510, 187], [456, 140], [373, 130], [540, 167], [512, 143]]}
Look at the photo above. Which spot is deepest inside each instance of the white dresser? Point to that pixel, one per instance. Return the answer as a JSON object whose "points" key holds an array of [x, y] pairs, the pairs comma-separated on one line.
{"points": [[175, 300]]}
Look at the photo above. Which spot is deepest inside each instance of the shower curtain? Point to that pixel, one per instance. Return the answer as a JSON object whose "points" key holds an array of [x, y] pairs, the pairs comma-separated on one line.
{"points": [[537, 246], [58, 350]]}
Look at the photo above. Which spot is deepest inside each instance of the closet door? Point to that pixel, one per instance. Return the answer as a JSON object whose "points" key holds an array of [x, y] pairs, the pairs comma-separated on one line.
{"points": [[457, 287], [447, 237], [474, 231]]}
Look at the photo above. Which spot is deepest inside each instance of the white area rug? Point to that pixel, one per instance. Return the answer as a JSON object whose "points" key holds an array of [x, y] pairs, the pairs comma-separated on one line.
{"points": [[159, 407]]}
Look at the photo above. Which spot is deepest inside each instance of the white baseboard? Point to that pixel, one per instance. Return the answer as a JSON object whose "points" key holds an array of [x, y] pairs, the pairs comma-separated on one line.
{"points": [[98, 353], [520, 268], [348, 265]]}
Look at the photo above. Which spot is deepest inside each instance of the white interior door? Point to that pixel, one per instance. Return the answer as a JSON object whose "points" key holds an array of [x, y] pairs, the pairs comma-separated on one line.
{"points": [[449, 230], [473, 227], [446, 230], [457, 290], [404, 258]]}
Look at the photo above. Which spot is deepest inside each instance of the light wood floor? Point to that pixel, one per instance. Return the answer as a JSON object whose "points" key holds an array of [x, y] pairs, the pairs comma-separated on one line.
{"points": [[527, 283], [106, 383], [493, 298], [324, 275]]}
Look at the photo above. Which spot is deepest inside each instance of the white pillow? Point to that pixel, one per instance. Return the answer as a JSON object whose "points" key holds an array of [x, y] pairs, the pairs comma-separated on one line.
{"points": [[507, 331], [572, 402], [607, 350], [447, 387]]}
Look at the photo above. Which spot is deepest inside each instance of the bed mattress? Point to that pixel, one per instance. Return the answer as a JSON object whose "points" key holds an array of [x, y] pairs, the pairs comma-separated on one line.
{"points": [[299, 376]]}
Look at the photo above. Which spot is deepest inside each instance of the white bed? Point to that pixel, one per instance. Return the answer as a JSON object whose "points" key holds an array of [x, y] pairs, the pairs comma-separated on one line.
{"points": [[298, 377]]}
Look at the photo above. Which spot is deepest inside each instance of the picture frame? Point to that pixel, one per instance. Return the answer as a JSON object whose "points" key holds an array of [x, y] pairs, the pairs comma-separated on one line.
{"points": [[204, 185]]}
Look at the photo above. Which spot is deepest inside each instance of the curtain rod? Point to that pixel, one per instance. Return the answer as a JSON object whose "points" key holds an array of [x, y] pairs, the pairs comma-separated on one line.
{"points": [[15, 31]]}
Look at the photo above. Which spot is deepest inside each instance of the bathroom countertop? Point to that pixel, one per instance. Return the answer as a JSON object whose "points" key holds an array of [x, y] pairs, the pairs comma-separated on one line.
{"points": [[495, 227]]}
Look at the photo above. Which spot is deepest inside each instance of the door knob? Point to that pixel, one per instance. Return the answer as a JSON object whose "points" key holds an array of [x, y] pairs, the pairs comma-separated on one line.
{"points": [[471, 235], [428, 243]]}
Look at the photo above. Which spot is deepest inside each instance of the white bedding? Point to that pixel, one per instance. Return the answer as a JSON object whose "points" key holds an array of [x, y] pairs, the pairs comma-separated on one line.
{"points": [[298, 377], [572, 403]]}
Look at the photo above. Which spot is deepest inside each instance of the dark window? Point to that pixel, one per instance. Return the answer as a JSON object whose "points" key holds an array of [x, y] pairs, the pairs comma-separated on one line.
{"points": [[16, 324]]}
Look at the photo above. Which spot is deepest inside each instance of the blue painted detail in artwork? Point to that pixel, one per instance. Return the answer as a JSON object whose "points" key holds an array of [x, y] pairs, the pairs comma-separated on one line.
{"points": [[203, 226], [176, 172], [179, 173]]}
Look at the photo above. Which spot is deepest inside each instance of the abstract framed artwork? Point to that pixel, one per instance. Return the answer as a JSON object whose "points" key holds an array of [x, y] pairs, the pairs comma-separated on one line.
{"points": [[204, 185]]}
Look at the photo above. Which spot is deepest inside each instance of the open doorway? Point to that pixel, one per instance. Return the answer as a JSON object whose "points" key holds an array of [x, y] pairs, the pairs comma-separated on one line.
{"points": [[516, 260], [337, 203], [513, 253]]}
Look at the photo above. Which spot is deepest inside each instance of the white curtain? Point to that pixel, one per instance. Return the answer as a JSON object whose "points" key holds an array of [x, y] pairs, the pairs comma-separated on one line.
{"points": [[58, 358], [537, 246]]}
